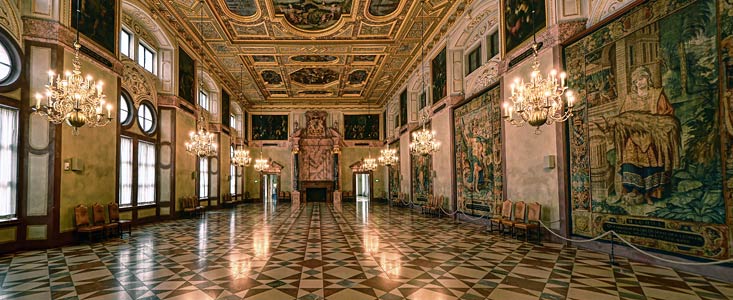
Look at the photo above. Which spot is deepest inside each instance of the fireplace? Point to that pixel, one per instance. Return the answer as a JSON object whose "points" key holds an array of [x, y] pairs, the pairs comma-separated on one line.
{"points": [[316, 194], [317, 190]]}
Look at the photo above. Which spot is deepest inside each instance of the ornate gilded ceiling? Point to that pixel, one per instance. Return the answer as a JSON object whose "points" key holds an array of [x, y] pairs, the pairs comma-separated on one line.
{"points": [[311, 52]]}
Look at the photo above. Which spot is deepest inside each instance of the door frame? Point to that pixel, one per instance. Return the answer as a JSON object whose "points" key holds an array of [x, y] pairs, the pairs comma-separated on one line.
{"points": [[371, 184]]}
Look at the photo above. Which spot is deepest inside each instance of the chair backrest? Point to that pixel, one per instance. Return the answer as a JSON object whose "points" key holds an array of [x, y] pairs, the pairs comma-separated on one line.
{"points": [[114, 212], [98, 213], [520, 210], [534, 212], [81, 215], [506, 209]]}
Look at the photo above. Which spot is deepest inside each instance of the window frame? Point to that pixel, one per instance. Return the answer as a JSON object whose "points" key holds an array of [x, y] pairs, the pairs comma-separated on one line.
{"points": [[492, 50], [474, 52], [153, 115], [132, 172], [205, 94], [154, 173], [131, 112], [130, 42], [203, 183], [15, 55], [15, 197], [143, 48]]}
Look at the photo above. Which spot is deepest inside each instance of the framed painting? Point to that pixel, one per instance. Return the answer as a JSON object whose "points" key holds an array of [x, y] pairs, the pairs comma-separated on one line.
{"points": [[649, 141], [269, 127], [246, 125], [440, 75], [478, 157], [97, 20], [361, 127], [403, 108], [384, 124], [225, 120], [421, 170], [518, 20], [186, 79]]}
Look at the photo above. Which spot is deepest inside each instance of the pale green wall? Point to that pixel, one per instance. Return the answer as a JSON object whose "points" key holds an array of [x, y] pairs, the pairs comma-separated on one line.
{"points": [[96, 148], [8, 234], [352, 155], [185, 185], [225, 161]]}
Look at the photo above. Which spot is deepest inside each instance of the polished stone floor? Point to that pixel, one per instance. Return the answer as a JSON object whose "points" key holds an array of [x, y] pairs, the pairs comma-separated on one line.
{"points": [[317, 251]]}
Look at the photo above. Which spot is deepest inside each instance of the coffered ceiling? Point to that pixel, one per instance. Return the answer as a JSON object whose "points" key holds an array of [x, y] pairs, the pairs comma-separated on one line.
{"points": [[313, 52]]}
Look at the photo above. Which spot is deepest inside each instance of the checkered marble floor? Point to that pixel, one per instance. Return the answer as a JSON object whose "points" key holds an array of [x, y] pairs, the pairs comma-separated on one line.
{"points": [[318, 251]]}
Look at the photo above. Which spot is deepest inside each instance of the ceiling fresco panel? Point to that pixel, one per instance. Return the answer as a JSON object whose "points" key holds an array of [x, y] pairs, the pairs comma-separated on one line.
{"points": [[382, 8], [245, 8], [263, 58], [314, 76], [271, 77], [314, 58], [312, 15]]}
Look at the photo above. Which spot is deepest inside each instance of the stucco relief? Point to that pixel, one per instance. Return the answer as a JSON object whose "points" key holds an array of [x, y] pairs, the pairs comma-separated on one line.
{"points": [[138, 83], [600, 9], [10, 19]]}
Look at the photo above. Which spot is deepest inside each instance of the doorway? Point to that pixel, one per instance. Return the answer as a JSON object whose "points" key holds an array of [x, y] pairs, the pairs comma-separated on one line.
{"points": [[363, 186], [269, 188]]}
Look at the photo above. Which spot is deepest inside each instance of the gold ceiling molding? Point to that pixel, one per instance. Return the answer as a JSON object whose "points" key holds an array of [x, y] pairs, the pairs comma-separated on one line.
{"points": [[368, 35]]}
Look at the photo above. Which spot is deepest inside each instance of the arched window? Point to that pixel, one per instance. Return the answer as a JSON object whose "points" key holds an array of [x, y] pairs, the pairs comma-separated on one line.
{"points": [[146, 118], [9, 60], [125, 110]]}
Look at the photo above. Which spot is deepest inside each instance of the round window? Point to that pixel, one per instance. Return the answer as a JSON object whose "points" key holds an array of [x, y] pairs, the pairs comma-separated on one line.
{"points": [[6, 65], [146, 118], [125, 114]]}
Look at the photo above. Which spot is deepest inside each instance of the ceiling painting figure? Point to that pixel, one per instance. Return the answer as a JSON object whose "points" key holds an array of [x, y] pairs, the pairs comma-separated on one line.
{"points": [[312, 15]]}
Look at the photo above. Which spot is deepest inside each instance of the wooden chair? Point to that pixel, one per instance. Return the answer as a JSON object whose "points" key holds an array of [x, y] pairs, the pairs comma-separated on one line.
{"points": [[114, 218], [534, 215], [99, 220], [188, 205], [505, 214], [520, 209], [83, 225]]}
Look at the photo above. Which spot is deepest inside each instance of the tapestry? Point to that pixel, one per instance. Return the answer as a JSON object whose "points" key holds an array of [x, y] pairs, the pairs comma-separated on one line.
{"points": [[518, 20], [96, 20], [361, 127], [185, 76], [269, 127], [478, 144], [440, 77], [646, 140], [421, 167], [403, 108], [394, 172]]}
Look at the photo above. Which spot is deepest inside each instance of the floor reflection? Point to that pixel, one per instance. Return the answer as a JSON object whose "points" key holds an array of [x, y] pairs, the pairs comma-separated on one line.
{"points": [[365, 251]]}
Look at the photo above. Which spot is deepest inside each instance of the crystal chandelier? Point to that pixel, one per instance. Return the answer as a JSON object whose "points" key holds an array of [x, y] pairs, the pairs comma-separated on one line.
{"points": [[387, 157], [201, 143], [369, 164], [423, 141], [241, 158], [261, 164], [540, 100], [73, 99]]}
